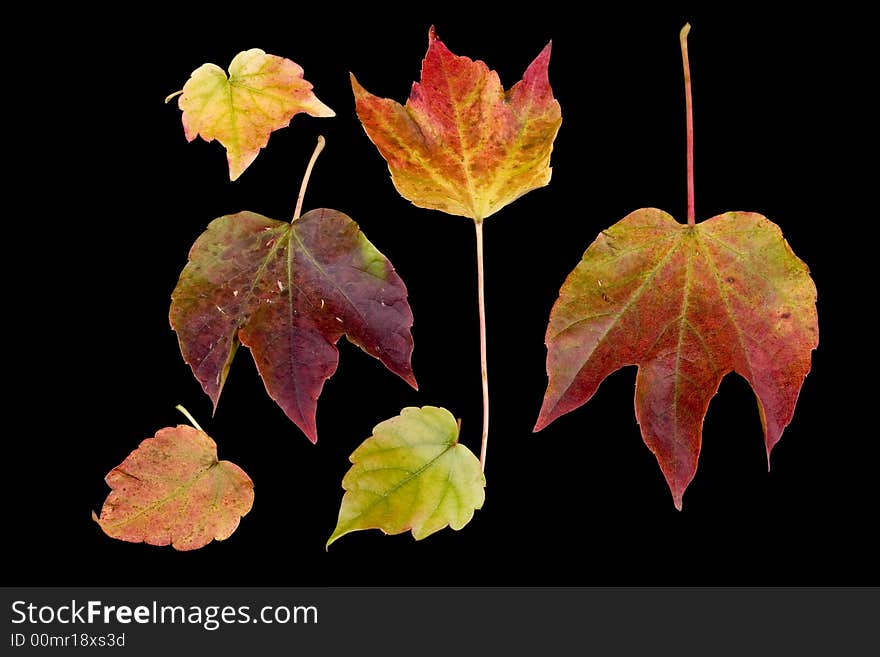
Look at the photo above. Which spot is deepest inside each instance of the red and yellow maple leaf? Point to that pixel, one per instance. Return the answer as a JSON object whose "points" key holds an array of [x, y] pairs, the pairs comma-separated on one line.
{"points": [[462, 144]]}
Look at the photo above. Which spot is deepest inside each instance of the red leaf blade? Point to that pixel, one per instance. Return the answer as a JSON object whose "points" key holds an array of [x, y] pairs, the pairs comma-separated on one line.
{"points": [[687, 305], [289, 292], [172, 490], [461, 144]]}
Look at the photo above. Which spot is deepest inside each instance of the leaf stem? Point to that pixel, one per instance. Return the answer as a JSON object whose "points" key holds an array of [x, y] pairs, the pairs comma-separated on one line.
{"points": [[689, 108], [305, 182], [174, 95], [484, 370], [189, 417]]}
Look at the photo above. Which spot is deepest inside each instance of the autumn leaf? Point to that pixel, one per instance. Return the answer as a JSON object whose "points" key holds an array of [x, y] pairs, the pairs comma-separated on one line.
{"points": [[411, 474], [462, 144], [262, 93], [288, 291], [687, 304], [173, 490]]}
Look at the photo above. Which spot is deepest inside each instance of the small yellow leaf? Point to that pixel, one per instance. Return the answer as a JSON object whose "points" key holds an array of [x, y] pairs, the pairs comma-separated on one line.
{"points": [[261, 94]]}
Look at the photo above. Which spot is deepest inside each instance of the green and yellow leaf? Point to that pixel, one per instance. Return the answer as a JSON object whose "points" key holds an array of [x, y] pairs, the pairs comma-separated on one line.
{"points": [[262, 93], [411, 474]]}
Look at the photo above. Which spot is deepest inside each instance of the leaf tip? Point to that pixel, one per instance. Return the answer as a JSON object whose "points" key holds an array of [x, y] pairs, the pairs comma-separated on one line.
{"points": [[538, 70], [678, 499], [356, 86], [96, 518], [432, 35], [234, 172], [307, 424], [545, 417], [335, 536], [410, 378], [684, 31]]}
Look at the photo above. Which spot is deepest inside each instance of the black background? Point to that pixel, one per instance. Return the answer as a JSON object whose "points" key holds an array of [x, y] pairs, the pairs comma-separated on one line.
{"points": [[583, 502]]}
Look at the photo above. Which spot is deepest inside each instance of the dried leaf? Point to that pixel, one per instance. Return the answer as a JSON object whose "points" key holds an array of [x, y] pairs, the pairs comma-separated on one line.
{"points": [[173, 490]]}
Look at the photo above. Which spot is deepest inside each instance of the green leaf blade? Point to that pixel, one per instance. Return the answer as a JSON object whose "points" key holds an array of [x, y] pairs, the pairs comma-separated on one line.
{"points": [[411, 474]]}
